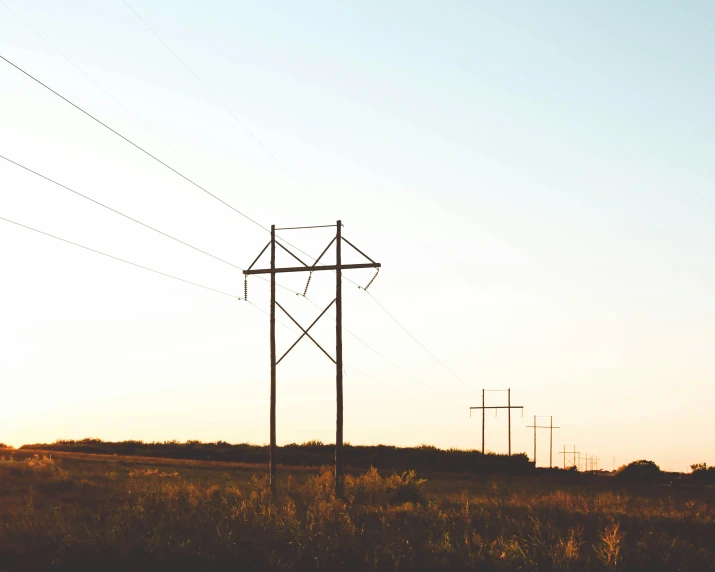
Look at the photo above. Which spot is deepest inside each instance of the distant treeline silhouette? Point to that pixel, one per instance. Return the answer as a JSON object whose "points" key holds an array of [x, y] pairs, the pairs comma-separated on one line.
{"points": [[313, 453]]}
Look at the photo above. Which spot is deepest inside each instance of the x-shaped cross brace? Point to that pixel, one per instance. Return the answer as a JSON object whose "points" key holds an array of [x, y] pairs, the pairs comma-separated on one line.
{"points": [[305, 331]]}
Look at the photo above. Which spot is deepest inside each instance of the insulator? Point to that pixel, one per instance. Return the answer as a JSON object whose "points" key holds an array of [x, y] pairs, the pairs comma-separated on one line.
{"points": [[372, 279], [307, 284], [245, 288]]}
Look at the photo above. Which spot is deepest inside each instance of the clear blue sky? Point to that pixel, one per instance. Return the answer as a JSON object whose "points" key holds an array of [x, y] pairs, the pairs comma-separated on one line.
{"points": [[537, 180]]}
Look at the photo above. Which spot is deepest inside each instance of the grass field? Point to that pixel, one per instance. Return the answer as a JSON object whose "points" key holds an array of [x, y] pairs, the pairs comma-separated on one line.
{"points": [[79, 511]]}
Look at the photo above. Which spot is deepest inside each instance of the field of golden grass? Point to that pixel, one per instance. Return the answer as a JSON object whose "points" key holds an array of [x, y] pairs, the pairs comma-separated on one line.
{"points": [[104, 512]]}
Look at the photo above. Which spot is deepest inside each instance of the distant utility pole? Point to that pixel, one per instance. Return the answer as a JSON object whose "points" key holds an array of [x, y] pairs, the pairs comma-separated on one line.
{"points": [[508, 407], [571, 461], [338, 267], [590, 462], [551, 428]]}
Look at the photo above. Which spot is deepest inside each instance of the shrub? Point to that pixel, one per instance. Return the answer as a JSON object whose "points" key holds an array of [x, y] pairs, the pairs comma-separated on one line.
{"points": [[639, 472], [703, 474], [406, 488], [372, 489]]}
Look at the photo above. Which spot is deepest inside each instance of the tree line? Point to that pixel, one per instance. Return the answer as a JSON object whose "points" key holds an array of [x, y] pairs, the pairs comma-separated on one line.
{"points": [[313, 453]]}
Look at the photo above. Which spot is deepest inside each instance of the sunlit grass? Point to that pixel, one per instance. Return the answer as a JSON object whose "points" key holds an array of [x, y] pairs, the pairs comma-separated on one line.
{"points": [[67, 512]]}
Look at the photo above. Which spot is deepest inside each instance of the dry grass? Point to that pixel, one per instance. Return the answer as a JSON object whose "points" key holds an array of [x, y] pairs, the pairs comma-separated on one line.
{"points": [[71, 513]]}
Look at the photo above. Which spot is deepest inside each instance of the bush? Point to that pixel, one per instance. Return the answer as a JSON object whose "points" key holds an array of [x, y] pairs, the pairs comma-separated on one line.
{"points": [[703, 474], [372, 489], [639, 472], [406, 488]]}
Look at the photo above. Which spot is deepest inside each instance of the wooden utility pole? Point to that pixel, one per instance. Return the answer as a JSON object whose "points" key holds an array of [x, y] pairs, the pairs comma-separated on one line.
{"points": [[484, 413], [573, 456], [508, 407], [272, 453], [551, 428], [338, 360], [339, 476]]}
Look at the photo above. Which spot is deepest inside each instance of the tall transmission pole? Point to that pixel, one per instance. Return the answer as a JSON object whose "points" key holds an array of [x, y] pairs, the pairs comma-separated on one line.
{"points": [[338, 267], [551, 428], [571, 461], [508, 407]]}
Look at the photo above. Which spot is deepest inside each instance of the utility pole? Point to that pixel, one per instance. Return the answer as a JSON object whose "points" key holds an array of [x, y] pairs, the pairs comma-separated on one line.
{"points": [[484, 412], [551, 428], [339, 474], [592, 462], [272, 454], [508, 407], [571, 461], [338, 267], [508, 410]]}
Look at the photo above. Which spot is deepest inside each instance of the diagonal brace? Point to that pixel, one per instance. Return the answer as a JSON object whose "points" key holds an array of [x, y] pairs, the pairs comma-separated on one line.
{"points": [[289, 252], [324, 251], [261, 254], [360, 251], [305, 332]]}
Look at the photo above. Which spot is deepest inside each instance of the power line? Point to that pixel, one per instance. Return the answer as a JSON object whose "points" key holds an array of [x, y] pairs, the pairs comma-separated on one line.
{"points": [[85, 74], [388, 360], [118, 212], [149, 154], [186, 282], [291, 329], [132, 218], [222, 202], [120, 259], [222, 104], [389, 387], [195, 184], [440, 362]]}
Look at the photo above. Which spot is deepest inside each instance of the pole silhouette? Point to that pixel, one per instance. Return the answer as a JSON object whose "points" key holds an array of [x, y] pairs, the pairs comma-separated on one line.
{"points": [[572, 459], [508, 407], [551, 428], [338, 267]]}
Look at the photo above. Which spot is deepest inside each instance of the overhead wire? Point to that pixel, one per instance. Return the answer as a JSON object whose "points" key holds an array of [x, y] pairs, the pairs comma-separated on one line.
{"points": [[225, 107], [86, 197], [107, 93], [240, 122], [193, 284], [245, 127], [229, 206], [119, 259], [440, 362], [65, 187], [154, 157], [388, 360], [140, 148], [291, 329], [390, 387]]}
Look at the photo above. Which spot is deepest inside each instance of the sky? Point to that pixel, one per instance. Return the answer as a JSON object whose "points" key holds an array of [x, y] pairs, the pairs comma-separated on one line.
{"points": [[536, 180]]}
